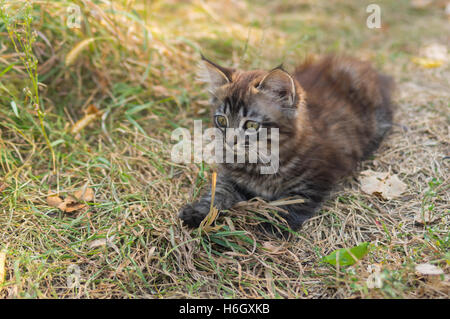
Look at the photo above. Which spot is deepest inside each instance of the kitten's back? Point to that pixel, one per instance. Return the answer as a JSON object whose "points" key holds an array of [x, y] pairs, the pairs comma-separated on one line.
{"points": [[349, 102]]}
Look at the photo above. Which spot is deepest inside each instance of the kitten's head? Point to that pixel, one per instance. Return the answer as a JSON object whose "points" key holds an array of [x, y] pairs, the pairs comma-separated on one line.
{"points": [[249, 101]]}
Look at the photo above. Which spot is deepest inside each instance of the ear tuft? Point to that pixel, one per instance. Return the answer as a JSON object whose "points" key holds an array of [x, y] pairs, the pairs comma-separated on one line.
{"points": [[213, 74]]}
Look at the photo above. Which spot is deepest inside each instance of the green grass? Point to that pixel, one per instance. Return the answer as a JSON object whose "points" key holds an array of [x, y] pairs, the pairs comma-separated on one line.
{"points": [[142, 79]]}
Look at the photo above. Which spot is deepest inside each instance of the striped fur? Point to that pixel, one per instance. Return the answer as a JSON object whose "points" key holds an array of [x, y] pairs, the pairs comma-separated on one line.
{"points": [[331, 114]]}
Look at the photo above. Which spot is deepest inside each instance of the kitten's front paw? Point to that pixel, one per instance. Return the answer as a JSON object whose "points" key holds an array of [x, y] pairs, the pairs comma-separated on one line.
{"points": [[192, 215]]}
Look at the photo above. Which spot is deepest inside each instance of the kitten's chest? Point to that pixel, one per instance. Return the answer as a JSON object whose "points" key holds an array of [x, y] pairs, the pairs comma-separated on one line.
{"points": [[266, 186]]}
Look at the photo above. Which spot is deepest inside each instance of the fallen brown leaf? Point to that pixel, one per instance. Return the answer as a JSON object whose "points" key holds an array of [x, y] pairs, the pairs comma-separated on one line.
{"points": [[85, 194], [53, 199], [67, 205], [70, 205], [381, 184]]}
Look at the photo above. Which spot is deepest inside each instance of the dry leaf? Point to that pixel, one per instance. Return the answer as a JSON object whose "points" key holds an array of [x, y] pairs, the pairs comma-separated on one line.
{"points": [[91, 114], [92, 109], [70, 205], [429, 269], [67, 205], [53, 200], [85, 194], [381, 184]]}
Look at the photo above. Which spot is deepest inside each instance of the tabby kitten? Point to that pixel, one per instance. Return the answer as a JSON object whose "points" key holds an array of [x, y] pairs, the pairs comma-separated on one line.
{"points": [[331, 114]]}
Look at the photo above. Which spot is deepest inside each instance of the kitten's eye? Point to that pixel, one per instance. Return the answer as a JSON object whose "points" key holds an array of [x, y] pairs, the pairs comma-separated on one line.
{"points": [[221, 121], [251, 125]]}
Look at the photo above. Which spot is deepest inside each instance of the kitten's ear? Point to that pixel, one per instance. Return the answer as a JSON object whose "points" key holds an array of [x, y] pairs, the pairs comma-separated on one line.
{"points": [[280, 85], [213, 74]]}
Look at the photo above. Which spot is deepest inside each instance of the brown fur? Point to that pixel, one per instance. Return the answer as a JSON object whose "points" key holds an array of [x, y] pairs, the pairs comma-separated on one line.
{"points": [[331, 114]]}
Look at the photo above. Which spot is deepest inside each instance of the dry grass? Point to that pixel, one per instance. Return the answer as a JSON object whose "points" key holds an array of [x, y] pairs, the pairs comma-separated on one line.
{"points": [[129, 243]]}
